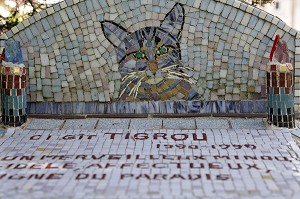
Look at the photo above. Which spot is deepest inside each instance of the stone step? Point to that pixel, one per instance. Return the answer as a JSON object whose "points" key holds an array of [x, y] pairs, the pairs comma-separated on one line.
{"points": [[150, 123]]}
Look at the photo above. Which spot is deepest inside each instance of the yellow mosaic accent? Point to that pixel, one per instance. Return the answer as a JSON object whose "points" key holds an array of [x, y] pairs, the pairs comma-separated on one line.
{"points": [[282, 68], [268, 68], [16, 70]]}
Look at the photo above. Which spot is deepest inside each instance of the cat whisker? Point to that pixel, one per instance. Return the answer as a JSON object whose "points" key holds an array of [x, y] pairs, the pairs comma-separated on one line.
{"points": [[136, 87], [174, 65], [130, 75], [167, 68], [190, 80], [187, 68], [178, 73], [127, 86]]}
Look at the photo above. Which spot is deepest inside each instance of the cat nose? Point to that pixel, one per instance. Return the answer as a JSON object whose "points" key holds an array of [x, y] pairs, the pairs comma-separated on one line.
{"points": [[153, 65]]}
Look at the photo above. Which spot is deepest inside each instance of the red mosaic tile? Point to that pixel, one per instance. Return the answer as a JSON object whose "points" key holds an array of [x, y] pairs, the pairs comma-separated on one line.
{"points": [[23, 71], [7, 70], [19, 92], [287, 90], [17, 78], [8, 92], [23, 84], [274, 82], [10, 78], [10, 85], [273, 68], [282, 83], [282, 76], [276, 90], [17, 85]]}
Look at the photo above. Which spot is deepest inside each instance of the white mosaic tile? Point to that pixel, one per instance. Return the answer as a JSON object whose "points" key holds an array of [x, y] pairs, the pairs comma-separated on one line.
{"points": [[165, 163]]}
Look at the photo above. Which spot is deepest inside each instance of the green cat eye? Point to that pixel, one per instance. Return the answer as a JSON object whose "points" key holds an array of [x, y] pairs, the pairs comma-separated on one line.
{"points": [[162, 50], [139, 55]]}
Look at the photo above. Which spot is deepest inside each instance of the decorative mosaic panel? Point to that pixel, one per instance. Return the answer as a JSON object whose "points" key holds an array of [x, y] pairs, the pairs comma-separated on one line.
{"points": [[220, 49], [13, 85], [150, 60]]}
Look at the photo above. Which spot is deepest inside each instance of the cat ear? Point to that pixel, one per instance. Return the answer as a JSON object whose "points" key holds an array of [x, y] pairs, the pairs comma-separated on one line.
{"points": [[173, 21], [113, 32]]}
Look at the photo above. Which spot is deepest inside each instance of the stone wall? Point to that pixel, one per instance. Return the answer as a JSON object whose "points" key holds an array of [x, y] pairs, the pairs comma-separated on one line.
{"points": [[226, 44]]}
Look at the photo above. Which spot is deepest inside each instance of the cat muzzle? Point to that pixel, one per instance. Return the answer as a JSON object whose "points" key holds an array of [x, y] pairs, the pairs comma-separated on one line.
{"points": [[153, 66]]}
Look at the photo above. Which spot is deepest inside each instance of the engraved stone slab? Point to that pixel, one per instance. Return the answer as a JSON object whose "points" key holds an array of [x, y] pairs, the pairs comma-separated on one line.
{"points": [[216, 123], [81, 124], [113, 123], [179, 124], [248, 123], [173, 163], [46, 124], [152, 123]]}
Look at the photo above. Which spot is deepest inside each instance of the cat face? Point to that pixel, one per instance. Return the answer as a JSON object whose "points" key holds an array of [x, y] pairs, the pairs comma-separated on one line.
{"points": [[149, 60]]}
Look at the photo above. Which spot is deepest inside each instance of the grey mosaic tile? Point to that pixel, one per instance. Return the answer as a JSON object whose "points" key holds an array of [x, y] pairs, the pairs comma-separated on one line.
{"points": [[84, 124], [113, 124], [212, 123], [247, 123], [179, 124], [152, 123], [45, 124]]}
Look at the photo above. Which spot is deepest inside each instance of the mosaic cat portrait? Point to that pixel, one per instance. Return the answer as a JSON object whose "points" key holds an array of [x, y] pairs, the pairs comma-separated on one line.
{"points": [[150, 60]]}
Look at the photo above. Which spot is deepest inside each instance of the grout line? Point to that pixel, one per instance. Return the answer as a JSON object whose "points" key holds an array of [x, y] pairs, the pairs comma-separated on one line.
{"points": [[96, 124], [62, 125]]}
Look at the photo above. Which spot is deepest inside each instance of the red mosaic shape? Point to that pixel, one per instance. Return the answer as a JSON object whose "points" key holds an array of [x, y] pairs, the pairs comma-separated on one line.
{"points": [[280, 51], [10, 78], [8, 92], [23, 84], [10, 85], [273, 68], [17, 85], [24, 71], [7, 70], [19, 92], [287, 90]]}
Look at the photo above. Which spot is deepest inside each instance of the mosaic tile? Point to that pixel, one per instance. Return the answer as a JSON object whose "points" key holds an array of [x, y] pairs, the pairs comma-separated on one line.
{"points": [[152, 123], [113, 123], [86, 124], [280, 86], [45, 124], [80, 44], [179, 124], [247, 123], [166, 163], [203, 123], [13, 85]]}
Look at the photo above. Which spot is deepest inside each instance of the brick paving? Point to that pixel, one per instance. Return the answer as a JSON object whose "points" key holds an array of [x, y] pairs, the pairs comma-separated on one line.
{"points": [[168, 158]]}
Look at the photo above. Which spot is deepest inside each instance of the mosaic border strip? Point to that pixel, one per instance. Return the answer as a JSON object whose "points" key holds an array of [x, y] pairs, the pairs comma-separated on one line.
{"points": [[152, 107]]}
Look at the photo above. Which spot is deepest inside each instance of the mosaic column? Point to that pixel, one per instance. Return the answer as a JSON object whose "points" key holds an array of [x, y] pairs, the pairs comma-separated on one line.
{"points": [[280, 87], [13, 86]]}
